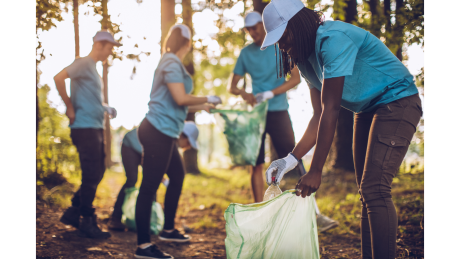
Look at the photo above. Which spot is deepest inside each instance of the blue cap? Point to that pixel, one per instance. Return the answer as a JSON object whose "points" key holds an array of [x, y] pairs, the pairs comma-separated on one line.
{"points": [[191, 131], [276, 16], [105, 36], [252, 19]]}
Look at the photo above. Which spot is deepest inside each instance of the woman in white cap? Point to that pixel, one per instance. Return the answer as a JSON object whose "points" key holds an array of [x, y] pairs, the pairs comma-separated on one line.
{"points": [[170, 100], [131, 156], [349, 67]]}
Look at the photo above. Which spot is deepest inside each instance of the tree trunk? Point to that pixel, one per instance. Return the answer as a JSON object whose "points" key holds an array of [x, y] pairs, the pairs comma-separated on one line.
{"points": [[168, 18], [351, 12], [340, 154], [375, 8], [75, 24], [259, 5], [191, 155], [387, 14], [399, 29], [105, 73], [36, 127]]}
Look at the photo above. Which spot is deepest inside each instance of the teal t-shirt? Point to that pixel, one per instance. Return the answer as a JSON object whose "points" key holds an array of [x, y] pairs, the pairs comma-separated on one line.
{"points": [[131, 140], [86, 94], [373, 75], [261, 66], [164, 113]]}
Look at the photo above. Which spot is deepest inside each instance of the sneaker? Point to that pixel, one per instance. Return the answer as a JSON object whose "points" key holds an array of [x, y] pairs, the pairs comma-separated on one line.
{"points": [[325, 223], [116, 225], [151, 252], [71, 217], [174, 236], [89, 228]]}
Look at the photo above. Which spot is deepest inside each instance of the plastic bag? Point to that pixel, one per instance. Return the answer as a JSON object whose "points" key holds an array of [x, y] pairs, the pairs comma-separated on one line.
{"points": [[157, 217], [283, 227], [243, 130]]}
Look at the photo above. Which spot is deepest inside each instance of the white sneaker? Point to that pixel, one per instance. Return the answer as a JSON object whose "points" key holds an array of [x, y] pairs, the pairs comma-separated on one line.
{"points": [[325, 223]]}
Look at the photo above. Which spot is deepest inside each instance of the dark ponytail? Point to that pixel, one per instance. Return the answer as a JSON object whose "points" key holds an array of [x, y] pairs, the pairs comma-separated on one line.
{"points": [[301, 29], [174, 41]]}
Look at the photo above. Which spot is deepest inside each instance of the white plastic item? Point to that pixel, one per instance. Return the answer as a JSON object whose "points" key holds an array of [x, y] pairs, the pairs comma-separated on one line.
{"points": [[272, 191]]}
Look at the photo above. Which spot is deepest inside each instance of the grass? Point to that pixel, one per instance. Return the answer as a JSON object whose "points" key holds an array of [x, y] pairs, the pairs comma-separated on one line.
{"points": [[208, 195]]}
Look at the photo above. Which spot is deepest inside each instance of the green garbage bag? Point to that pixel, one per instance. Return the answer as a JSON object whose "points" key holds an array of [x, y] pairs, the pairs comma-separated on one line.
{"points": [[283, 227], [157, 217], [243, 130]]}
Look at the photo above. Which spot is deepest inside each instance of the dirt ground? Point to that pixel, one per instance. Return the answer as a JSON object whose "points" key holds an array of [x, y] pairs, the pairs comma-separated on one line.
{"points": [[55, 240]]}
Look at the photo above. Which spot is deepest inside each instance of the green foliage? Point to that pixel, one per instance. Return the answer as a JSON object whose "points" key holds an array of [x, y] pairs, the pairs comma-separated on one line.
{"points": [[339, 8], [47, 13], [55, 152]]}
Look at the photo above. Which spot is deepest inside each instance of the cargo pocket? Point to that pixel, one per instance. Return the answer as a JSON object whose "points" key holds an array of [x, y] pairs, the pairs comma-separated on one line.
{"points": [[388, 150]]}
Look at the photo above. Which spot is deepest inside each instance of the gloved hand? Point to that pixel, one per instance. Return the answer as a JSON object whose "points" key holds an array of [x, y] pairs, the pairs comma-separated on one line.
{"points": [[214, 99], [260, 97], [111, 112], [281, 166]]}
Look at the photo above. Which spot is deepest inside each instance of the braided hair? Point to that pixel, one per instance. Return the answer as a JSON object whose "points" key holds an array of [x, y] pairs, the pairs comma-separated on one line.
{"points": [[301, 29]]}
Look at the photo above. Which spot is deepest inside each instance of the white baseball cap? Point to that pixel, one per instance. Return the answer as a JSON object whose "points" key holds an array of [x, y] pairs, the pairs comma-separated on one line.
{"points": [[191, 131], [276, 16], [185, 30], [105, 36], [252, 19]]}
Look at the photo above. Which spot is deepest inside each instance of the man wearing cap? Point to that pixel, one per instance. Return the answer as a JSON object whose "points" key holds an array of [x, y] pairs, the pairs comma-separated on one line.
{"points": [[266, 85], [131, 155], [85, 110], [261, 66]]}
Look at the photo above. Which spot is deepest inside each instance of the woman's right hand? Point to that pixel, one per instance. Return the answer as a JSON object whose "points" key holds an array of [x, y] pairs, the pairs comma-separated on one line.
{"points": [[249, 98], [214, 99], [70, 112], [208, 107]]}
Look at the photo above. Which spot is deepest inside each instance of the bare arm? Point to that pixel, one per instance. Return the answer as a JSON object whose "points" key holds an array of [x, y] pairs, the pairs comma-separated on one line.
{"points": [[233, 89], [331, 97], [59, 80], [179, 95], [201, 107], [308, 140], [289, 84]]}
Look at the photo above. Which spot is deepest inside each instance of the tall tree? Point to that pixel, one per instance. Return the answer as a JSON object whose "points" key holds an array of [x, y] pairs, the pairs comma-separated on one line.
{"points": [[190, 155], [259, 5], [75, 25], [168, 18], [105, 75], [47, 13], [341, 153]]}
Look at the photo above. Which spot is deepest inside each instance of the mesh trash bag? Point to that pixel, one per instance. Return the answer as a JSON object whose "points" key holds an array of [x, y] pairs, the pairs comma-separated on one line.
{"points": [[243, 130], [157, 217], [283, 227]]}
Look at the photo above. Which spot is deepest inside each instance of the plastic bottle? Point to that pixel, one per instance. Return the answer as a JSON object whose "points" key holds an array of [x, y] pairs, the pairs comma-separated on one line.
{"points": [[272, 191]]}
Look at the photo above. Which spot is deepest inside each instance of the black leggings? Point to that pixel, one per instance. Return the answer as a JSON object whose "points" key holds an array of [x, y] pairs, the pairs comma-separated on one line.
{"points": [[161, 155], [131, 160]]}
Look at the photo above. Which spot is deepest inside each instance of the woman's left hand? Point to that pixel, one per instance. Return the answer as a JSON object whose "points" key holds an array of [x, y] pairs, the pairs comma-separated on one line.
{"points": [[308, 183]]}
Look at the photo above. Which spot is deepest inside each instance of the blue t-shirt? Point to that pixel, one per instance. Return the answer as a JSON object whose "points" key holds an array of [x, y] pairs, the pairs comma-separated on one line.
{"points": [[261, 65], [131, 140], [164, 113], [373, 75], [86, 94]]}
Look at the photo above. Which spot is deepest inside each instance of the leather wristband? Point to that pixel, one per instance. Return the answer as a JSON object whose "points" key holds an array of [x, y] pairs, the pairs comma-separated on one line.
{"points": [[294, 157]]}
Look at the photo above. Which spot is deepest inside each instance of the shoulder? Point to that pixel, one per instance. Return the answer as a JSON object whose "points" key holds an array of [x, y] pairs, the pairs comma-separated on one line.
{"points": [[170, 61], [340, 31]]}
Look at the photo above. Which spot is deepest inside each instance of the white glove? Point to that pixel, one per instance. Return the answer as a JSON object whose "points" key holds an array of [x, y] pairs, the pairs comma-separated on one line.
{"points": [[111, 112], [261, 97], [214, 99], [281, 166]]}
